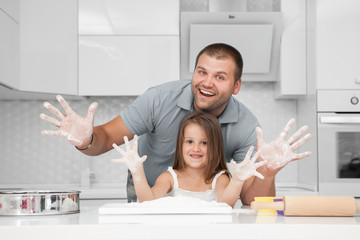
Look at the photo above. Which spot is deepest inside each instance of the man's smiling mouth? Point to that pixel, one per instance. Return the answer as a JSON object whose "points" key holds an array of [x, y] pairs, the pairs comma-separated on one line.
{"points": [[206, 93]]}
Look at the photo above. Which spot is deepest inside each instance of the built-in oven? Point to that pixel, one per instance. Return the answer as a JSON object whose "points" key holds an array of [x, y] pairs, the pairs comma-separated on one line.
{"points": [[339, 142]]}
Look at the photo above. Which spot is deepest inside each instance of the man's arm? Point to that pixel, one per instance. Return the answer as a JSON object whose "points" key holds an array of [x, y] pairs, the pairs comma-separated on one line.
{"points": [[80, 131], [256, 187], [105, 135], [277, 154]]}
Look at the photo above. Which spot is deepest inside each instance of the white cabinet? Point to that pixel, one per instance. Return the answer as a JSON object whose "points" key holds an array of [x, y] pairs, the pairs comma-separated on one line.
{"points": [[9, 49], [39, 45], [126, 65], [338, 47], [48, 46], [292, 72], [124, 17], [125, 47], [11, 8]]}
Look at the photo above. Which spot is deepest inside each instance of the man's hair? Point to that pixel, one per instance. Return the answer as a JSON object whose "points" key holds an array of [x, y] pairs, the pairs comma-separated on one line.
{"points": [[223, 51], [215, 146]]}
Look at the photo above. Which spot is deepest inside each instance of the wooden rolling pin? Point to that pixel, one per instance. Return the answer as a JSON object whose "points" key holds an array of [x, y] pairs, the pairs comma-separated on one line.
{"points": [[312, 206]]}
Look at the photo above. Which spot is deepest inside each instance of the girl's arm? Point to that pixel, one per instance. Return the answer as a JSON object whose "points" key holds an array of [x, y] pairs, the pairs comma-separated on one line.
{"points": [[229, 193], [134, 162]]}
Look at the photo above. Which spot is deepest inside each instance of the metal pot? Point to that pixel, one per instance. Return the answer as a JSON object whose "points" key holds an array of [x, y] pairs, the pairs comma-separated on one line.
{"points": [[38, 202]]}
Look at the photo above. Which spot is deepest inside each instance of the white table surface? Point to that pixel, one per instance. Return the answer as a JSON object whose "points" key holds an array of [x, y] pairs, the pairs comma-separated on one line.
{"points": [[242, 223]]}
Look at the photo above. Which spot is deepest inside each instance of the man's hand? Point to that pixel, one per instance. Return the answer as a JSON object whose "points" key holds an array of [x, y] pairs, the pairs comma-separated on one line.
{"points": [[131, 156], [247, 168], [280, 152], [76, 129]]}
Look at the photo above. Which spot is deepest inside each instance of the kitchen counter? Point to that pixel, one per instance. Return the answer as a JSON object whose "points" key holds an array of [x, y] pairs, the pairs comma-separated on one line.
{"points": [[242, 223]]}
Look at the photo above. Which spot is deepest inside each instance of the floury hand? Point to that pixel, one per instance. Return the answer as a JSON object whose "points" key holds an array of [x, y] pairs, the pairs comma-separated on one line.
{"points": [[280, 152], [76, 129], [131, 156], [247, 168]]}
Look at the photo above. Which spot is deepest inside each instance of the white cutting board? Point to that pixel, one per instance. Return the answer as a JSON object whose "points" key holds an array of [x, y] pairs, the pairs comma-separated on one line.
{"points": [[167, 205]]}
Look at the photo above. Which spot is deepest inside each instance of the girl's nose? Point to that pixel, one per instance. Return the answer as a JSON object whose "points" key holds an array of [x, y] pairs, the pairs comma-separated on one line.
{"points": [[196, 147]]}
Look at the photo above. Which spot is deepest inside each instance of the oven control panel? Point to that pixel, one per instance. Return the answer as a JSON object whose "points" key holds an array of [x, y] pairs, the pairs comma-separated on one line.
{"points": [[338, 101]]}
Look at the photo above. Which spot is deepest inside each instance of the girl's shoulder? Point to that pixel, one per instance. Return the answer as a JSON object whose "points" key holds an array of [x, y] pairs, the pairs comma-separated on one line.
{"points": [[166, 177], [223, 179]]}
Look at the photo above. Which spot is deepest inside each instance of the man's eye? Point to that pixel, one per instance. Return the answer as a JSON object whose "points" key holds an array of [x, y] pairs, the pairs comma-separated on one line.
{"points": [[219, 78], [202, 73]]}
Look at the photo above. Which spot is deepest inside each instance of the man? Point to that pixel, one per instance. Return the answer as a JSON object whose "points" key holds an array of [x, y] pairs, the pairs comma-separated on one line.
{"points": [[156, 114]]}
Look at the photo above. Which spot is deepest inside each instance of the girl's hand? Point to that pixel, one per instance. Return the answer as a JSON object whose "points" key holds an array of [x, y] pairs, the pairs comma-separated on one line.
{"points": [[74, 128], [247, 168], [279, 152], [131, 156]]}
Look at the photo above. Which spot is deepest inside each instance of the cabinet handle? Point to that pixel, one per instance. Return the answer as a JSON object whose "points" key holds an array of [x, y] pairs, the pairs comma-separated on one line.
{"points": [[340, 120]]}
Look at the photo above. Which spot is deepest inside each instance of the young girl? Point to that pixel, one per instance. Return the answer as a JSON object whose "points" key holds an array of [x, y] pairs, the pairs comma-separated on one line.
{"points": [[199, 168]]}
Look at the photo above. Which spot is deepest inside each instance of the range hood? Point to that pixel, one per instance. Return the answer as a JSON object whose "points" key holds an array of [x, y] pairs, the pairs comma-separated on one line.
{"points": [[257, 35]]}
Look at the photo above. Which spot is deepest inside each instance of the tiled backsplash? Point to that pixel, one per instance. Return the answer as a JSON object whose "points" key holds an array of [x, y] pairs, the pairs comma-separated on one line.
{"points": [[27, 157]]}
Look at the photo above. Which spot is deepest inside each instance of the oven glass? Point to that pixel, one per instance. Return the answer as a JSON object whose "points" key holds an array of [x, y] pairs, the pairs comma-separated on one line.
{"points": [[348, 154]]}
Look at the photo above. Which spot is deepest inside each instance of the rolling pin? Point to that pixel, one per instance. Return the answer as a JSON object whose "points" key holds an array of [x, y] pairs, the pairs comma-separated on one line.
{"points": [[340, 206]]}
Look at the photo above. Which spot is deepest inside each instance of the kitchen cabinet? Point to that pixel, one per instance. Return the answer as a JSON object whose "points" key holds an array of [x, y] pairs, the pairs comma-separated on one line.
{"points": [[337, 44], [48, 46], [126, 65], [45, 46], [124, 49], [292, 80], [9, 48], [39, 46], [124, 17]]}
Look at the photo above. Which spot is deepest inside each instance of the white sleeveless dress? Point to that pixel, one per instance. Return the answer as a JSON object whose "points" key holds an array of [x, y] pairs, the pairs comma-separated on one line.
{"points": [[208, 195]]}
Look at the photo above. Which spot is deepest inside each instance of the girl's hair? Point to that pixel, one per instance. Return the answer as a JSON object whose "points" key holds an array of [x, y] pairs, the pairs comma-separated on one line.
{"points": [[215, 145]]}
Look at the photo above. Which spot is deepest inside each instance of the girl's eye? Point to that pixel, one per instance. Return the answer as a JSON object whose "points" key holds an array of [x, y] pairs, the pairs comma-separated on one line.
{"points": [[204, 143], [189, 141]]}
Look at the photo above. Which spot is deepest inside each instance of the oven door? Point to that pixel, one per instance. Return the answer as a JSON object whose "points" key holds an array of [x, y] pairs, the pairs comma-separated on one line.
{"points": [[339, 153]]}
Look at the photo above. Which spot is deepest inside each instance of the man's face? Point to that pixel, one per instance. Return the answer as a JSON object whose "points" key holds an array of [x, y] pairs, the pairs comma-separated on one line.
{"points": [[213, 84]]}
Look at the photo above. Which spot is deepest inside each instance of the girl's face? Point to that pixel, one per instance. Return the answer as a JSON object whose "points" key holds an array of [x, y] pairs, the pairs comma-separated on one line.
{"points": [[194, 148]]}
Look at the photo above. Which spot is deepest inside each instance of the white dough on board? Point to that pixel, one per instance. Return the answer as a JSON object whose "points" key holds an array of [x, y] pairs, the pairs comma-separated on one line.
{"points": [[167, 205]]}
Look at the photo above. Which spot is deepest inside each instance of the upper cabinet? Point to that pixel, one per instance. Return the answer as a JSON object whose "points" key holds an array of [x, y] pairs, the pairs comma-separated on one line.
{"points": [[292, 80], [126, 47], [38, 45], [9, 43], [337, 44], [88, 47], [48, 46]]}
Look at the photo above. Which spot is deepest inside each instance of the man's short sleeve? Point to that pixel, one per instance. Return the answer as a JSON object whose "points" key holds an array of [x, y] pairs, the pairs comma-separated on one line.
{"points": [[139, 115], [251, 139]]}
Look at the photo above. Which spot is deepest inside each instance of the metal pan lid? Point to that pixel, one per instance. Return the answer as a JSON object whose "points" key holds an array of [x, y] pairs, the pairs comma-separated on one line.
{"points": [[32, 192]]}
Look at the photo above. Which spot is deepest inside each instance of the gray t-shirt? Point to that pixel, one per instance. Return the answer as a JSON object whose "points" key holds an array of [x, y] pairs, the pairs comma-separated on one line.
{"points": [[155, 116]]}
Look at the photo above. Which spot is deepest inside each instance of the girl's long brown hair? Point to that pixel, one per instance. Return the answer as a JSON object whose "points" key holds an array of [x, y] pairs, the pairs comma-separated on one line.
{"points": [[215, 145]]}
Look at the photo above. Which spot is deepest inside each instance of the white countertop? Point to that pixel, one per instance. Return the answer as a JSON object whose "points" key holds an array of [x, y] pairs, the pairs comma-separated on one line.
{"points": [[242, 223]]}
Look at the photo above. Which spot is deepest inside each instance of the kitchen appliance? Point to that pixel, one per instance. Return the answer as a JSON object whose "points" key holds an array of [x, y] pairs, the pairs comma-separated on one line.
{"points": [[344, 206], [39, 202], [338, 114]]}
